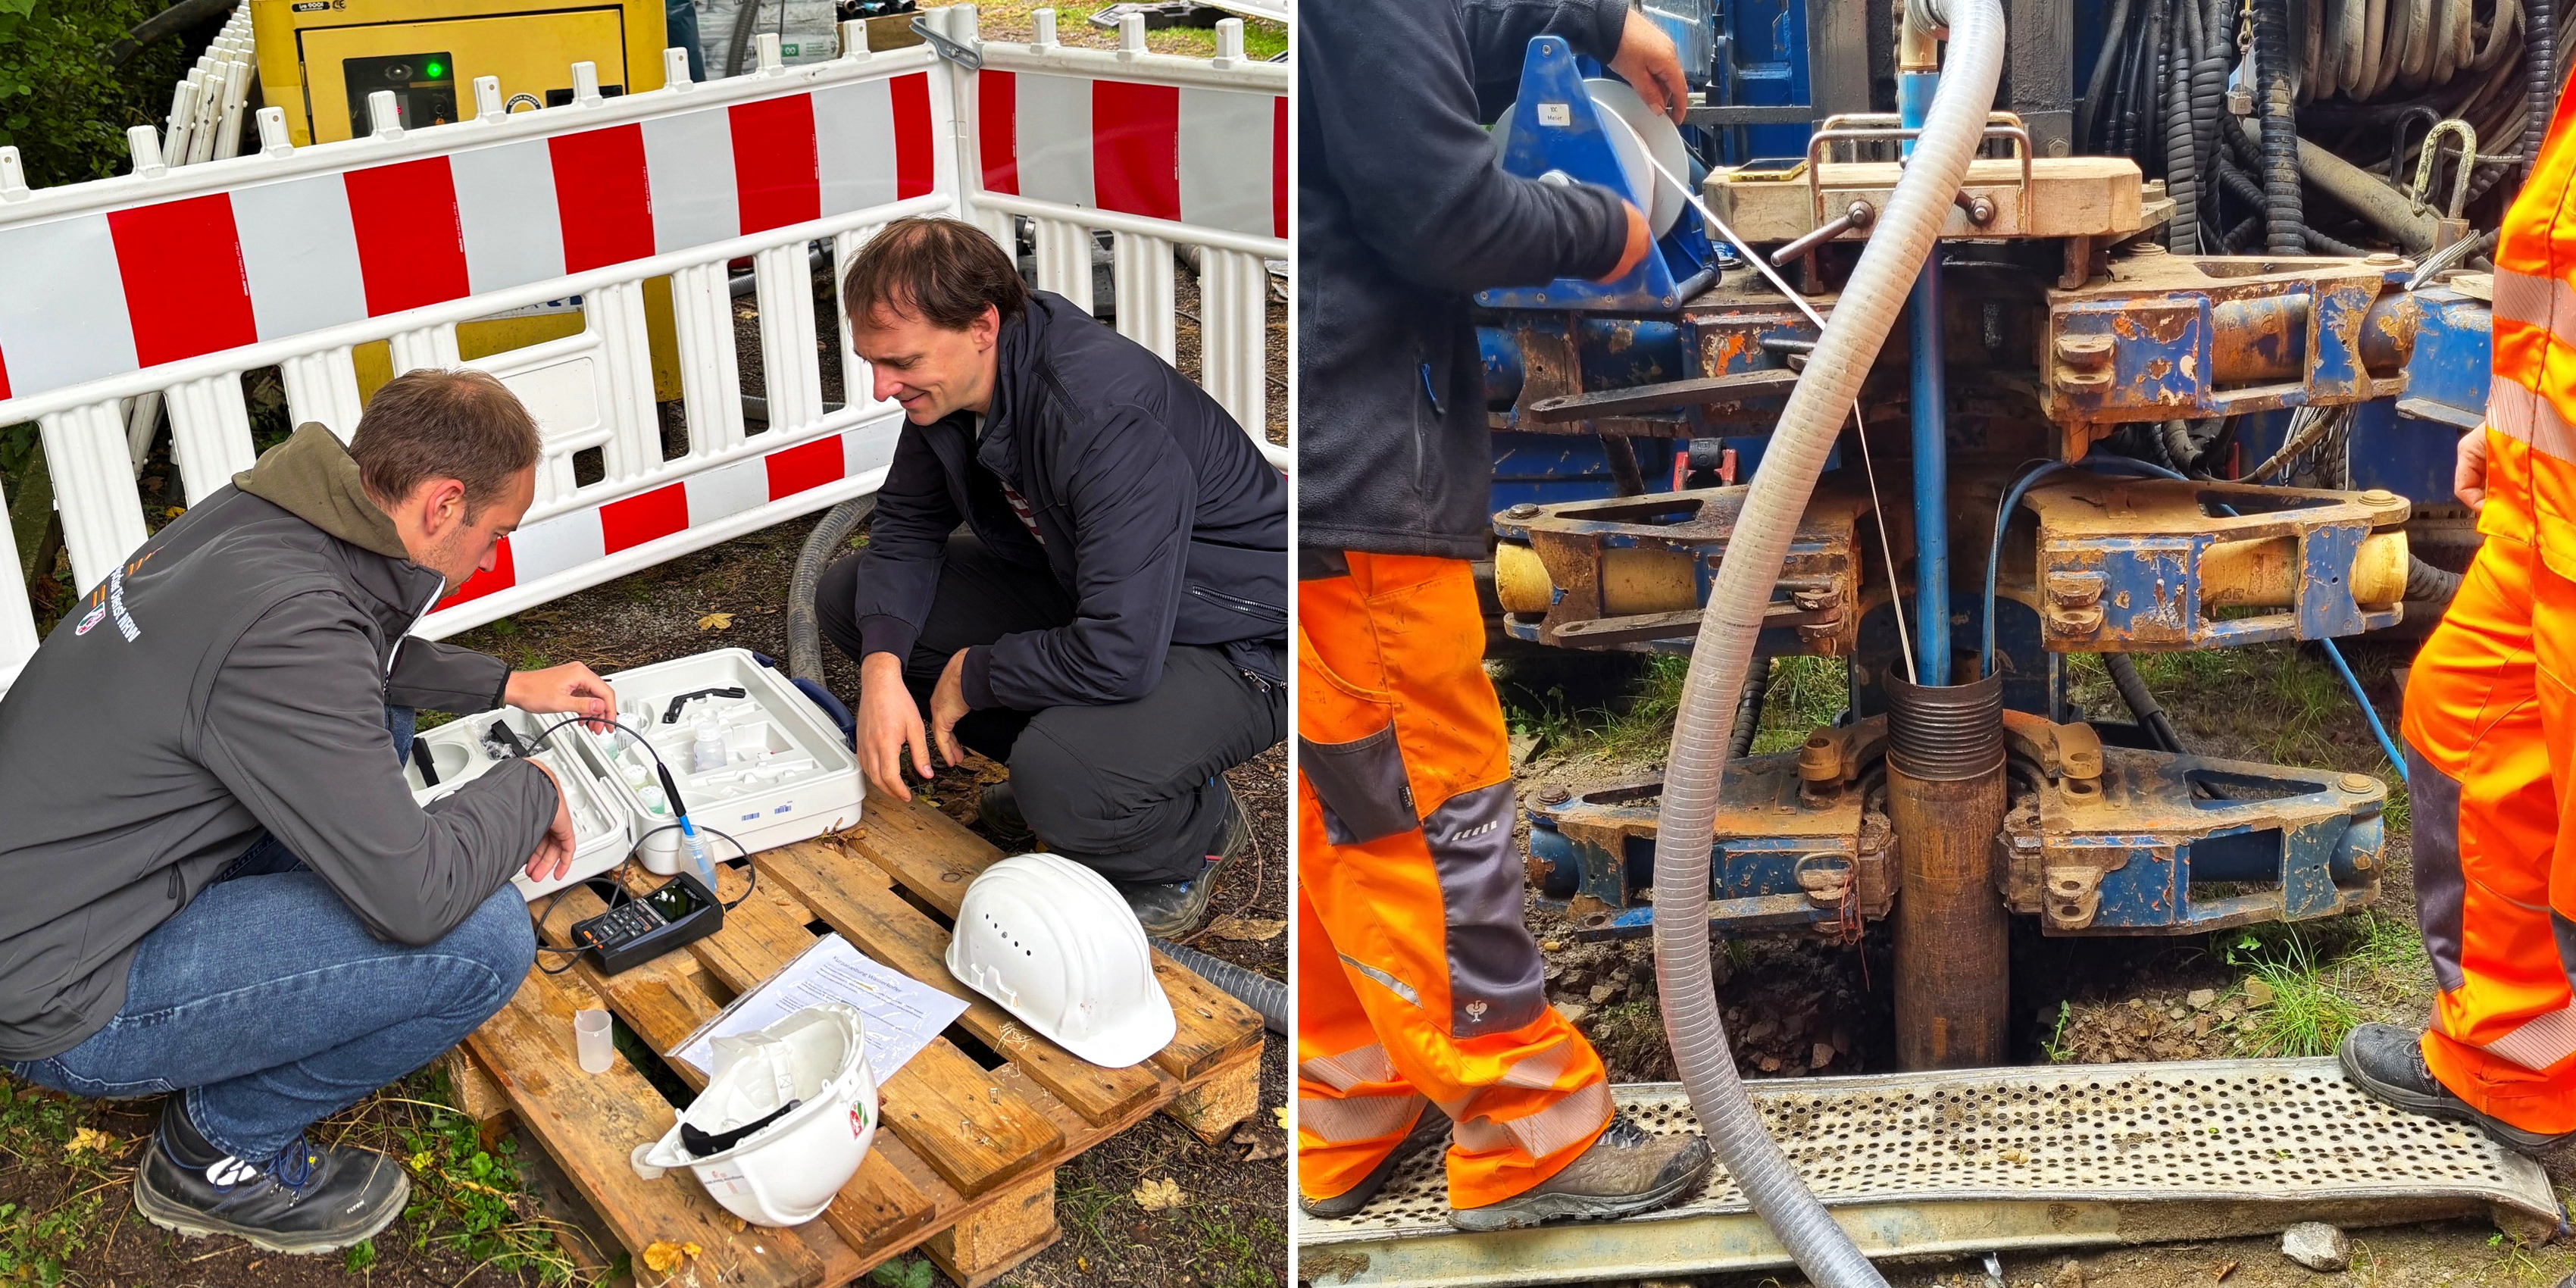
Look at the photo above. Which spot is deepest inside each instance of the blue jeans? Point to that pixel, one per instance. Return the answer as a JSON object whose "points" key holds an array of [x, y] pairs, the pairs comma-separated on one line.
{"points": [[269, 1006]]}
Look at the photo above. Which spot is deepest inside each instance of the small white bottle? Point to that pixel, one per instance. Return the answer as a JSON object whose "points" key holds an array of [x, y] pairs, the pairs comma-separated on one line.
{"points": [[707, 749]]}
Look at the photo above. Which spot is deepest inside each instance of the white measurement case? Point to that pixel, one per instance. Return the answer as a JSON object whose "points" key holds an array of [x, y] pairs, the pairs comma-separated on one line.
{"points": [[465, 749], [787, 776]]}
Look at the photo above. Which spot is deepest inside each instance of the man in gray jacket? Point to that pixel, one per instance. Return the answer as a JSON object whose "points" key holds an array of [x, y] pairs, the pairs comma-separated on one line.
{"points": [[219, 887]]}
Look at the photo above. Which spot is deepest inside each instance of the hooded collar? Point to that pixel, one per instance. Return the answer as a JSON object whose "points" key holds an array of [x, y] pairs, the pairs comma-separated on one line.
{"points": [[313, 477]]}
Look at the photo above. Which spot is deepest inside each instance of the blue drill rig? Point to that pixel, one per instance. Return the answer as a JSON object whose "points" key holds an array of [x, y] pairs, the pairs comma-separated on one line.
{"points": [[2185, 371]]}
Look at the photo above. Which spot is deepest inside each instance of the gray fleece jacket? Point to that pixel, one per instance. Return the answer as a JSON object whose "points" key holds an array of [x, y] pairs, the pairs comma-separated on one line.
{"points": [[232, 677]]}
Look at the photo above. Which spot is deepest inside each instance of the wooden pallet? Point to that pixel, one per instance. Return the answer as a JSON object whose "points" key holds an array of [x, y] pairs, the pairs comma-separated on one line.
{"points": [[973, 1127]]}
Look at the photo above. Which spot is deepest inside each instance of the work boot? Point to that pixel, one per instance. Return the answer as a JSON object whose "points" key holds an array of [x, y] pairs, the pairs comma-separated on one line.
{"points": [[2388, 1063], [302, 1199], [1170, 909], [1626, 1171], [998, 810], [1428, 1130]]}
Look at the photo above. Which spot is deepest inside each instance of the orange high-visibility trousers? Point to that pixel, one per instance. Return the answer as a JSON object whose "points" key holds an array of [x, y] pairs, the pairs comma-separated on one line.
{"points": [[2490, 723], [1417, 978]]}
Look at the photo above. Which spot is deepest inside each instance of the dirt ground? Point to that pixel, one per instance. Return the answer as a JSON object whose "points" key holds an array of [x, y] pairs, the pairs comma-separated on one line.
{"points": [[1798, 1008]]}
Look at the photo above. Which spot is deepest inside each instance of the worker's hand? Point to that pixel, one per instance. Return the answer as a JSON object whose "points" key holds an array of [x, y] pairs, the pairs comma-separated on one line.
{"points": [[948, 706], [889, 724], [1641, 239], [553, 856], [1647, 60], [2469, 475], [570, 689]]}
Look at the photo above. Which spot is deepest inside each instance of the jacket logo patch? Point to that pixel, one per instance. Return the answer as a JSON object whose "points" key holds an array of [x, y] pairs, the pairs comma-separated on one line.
{"points": [[96, 615]]}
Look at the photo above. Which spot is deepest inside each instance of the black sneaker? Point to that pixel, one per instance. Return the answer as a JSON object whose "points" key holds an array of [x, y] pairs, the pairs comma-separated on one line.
{"points": [[998, 810], [1626, 1171], [303, 1199], [2387, 1062], [1428, 1130], [1169, 910]]}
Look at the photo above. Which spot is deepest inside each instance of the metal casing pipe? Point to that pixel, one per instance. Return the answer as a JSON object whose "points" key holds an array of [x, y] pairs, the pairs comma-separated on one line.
{"points": [[1946, 798]]}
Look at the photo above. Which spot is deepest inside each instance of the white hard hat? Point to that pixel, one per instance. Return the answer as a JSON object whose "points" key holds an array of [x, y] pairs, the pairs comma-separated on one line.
{"points": [[1051, 941], [784, 1123]]}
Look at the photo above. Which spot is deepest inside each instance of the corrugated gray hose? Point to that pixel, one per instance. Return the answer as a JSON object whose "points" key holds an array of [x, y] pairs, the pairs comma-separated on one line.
{"points": [[828, 541], [1895, 252]]}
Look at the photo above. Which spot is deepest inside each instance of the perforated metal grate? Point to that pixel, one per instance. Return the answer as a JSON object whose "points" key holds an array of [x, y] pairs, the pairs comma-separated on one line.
{"points": [[2260, 1130]]}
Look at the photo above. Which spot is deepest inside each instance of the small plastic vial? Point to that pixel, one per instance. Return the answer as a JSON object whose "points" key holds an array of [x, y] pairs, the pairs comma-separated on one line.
{"points": [[707, 749]]}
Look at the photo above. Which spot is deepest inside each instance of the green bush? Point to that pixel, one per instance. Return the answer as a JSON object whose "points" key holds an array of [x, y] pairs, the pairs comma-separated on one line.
{"points": [[61, 105]]}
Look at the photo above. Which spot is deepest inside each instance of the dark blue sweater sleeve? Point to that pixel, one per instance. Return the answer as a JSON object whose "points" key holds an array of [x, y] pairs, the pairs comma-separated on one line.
{"points": [[907, 538], [1395, 89]]}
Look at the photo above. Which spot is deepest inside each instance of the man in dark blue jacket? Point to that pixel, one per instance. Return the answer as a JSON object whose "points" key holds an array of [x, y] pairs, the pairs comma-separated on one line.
{"points": [[1422, 1009], [1078, 565]]}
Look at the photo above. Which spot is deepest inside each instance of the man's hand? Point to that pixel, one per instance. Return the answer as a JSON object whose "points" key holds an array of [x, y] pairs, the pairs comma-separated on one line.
{"points": [[553, 856], [1647, 60], [1640, 240], [889, 723], [948, 706], [570, 689], [2469, 475]]}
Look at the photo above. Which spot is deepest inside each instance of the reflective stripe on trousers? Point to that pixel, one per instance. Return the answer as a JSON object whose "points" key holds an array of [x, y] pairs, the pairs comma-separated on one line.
{"points": [[1416, 976]]}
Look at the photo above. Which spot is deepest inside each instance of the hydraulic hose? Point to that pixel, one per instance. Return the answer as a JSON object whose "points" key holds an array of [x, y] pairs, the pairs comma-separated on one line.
{"points": [[2090, 110], [2540, 54], [829, 539], [2142, 703], [1853, 334], [1748, 712], [2284, 222], [2182, 168], [1258, 991], [2426, 584]]}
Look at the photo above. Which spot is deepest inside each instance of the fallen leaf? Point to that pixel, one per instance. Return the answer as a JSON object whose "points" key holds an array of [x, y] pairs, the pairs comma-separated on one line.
{"points": [[663, 1256], [1259, 1145], [736, 1224], [2225, 1268], [716, 622], [90, 1140], [174, 512], [692, 1249], [1155, 1196], [1247, 929], [1281, 1113]]}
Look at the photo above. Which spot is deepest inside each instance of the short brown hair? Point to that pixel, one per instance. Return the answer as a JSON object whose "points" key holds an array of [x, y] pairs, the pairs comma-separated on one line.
{"points": [[943, 271], [430, 424]]}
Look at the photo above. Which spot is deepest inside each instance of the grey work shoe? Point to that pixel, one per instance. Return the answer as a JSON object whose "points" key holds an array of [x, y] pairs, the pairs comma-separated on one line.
{"points": [[1429, 1129], [1169, 910], [2388, 1063], [303, 1199], [1627, 1171]]}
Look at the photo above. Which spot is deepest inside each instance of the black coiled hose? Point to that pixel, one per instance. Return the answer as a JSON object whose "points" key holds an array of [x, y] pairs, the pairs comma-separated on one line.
{"points": [[2540, 54], [2182, 169], [2208, 104], [1258, 991], [1748, 711], [2428, 584], [2284, 219]]}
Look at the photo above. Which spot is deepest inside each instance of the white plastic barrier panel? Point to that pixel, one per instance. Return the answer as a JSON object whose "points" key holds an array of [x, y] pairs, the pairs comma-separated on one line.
{"points": [[1161, 152], [173, 281]]}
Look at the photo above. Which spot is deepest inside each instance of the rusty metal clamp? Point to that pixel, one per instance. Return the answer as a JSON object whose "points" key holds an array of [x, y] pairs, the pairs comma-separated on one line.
{"points": [[2418, 196], [1999, 125]]}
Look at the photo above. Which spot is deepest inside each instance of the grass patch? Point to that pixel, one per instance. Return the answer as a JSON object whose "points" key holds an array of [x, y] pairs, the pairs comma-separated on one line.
{"points": [[1635, 724], [472, 1200], [38, 1247], [1804, 694]]}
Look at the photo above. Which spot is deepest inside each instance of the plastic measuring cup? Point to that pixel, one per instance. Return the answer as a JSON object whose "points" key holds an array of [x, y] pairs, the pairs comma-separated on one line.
{"points": [[591, 1041]]}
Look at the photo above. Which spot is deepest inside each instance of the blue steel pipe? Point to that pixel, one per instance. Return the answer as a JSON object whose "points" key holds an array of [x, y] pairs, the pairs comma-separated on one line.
{"points": [[1931, 433]]}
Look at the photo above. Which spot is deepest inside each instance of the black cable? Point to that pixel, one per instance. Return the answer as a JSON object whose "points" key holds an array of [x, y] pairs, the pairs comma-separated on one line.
{"points": [[2142, 702], [1748, 712], [2088, 112], [2182, 173], [2540, 56]]}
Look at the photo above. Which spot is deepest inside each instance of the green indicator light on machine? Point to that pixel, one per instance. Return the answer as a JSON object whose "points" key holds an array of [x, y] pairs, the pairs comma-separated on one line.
{"points": [[436, 69]]}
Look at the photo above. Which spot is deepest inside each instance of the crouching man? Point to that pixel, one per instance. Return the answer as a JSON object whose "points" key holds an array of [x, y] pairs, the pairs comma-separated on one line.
{"points": [[1078, 566], [219, 888]]}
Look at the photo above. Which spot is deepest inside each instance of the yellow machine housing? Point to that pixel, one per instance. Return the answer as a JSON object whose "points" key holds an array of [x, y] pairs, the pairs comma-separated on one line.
{"points": [[320, 59]]}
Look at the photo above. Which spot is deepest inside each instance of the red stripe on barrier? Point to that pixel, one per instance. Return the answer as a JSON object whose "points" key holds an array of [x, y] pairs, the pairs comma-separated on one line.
{"points": [[804, 467], [997, 129], [1136, 148], [637, 519], [916, 150], [773, 162], [502, 575], [411, 251], [185, 290], [4, 375], [1279, 166], [603, 196]]}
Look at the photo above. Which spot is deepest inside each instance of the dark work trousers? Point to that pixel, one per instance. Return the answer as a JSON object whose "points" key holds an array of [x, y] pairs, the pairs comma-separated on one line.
{"points": [[1127, 789]]}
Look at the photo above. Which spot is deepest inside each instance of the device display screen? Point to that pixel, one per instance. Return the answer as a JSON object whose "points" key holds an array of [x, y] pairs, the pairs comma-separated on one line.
{"points": [[674, 901]]}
